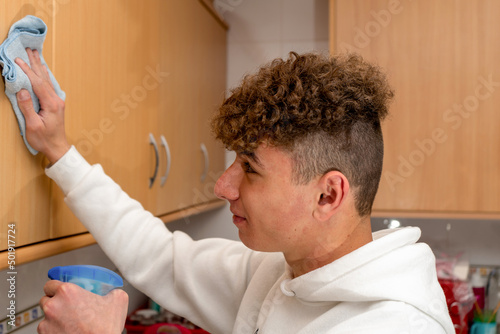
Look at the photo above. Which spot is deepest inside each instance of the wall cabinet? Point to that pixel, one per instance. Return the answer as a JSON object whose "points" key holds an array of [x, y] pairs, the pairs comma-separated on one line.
{"points": [[108, 66], [24, 189], [135, 73], [442, 147], [195, 86]]}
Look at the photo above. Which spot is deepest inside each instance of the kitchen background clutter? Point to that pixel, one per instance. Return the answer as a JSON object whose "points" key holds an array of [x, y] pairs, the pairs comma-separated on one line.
{"points": [[442, 151]]}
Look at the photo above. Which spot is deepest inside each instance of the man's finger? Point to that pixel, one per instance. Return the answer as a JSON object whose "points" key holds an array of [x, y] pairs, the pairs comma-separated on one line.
{"points": [[43, 300], [34, 78], [51, 286], [25, 67], [119, 295], [35, 61], [40, 87], [26, 105]]}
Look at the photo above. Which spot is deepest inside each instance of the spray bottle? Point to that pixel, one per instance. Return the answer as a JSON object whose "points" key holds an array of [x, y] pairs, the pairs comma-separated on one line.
{"points": [[95, 279]]}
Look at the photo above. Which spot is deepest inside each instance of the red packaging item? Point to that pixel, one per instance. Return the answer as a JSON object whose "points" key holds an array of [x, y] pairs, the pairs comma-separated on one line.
{"points": [[166, 328], [137, 325], [459, 307]]}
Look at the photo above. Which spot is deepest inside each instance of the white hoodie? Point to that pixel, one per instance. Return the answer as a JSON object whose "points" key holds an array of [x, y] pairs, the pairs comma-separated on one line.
{"points": [[387, 286]]}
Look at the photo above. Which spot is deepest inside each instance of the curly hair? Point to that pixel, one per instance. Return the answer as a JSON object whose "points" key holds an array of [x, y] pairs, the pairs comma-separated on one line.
{"points": [[325, 111]]}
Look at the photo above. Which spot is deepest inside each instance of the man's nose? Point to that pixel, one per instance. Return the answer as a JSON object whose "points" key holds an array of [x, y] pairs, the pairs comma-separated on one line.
{"points": [[227, 185]]}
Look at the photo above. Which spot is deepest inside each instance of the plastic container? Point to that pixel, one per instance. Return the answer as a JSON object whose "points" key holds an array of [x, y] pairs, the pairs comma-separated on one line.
{"points": [[95, 279], [479, 289]]}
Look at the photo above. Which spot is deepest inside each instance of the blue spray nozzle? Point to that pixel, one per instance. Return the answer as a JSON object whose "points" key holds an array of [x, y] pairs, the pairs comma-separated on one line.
{"points": [[95, 279]]}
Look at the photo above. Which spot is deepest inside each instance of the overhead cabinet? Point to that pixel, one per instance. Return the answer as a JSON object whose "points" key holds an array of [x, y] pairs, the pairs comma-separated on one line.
{"points": [[142, 79], [109, 67], [24, 189], [442, 148], [194, 56]]}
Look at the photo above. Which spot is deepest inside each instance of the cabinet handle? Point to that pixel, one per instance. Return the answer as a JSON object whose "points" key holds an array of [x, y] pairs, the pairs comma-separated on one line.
{"points": [[205, 154], [152, 141], [169, 159]]}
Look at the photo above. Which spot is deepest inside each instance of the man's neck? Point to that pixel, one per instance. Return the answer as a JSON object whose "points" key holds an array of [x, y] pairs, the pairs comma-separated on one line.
{"points": [[332, 246]]}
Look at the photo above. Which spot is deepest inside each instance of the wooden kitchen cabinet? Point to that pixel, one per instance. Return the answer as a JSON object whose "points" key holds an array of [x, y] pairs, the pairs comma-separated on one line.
{"points": [[178, 102], [196, 62], [108, 65], [148, 83], [132, 70], [211, 41], [24, 189], [442, 148]]}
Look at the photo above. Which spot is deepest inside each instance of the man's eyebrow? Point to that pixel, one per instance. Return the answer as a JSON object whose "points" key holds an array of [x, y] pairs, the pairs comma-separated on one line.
{"points": [[253, 157]]}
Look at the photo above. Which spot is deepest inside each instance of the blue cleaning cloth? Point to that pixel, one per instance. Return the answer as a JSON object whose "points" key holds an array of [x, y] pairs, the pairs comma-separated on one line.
{"points": [[28, 32]]}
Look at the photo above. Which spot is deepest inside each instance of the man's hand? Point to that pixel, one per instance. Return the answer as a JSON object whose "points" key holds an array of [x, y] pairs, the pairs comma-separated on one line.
{"points": [[70, 309], [45, 130]]}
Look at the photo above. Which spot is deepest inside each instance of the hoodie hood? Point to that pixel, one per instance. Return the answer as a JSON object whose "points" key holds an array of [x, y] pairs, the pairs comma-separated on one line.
{"points": [[391, 267]]}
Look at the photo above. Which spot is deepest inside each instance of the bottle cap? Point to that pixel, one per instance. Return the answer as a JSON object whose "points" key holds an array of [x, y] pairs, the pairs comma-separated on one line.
{"points": [[92, 278], [476, 280]]}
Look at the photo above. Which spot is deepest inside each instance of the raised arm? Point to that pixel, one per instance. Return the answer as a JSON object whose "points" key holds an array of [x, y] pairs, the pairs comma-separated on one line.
{"points": [[67, 307]]}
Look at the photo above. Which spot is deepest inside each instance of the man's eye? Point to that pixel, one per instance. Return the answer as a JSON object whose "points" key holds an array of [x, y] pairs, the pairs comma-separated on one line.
{"points": [[247, 168]]}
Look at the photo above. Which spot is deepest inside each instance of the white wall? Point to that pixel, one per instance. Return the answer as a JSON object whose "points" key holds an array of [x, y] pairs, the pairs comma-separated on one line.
{"points": [[261, 30]]}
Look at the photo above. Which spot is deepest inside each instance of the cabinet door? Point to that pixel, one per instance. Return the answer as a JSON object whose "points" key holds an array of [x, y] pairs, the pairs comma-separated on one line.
{"points": [[108, 63], [193, 53], [442, 148], [178, 101], [24, 189], [212, 76]]}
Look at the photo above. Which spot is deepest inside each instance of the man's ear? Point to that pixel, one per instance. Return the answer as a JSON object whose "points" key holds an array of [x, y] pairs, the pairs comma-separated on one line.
{"points": [[333, 188]]}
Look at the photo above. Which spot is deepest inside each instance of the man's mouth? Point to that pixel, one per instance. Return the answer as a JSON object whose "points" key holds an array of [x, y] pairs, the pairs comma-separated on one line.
{"points": [[238, 219]]}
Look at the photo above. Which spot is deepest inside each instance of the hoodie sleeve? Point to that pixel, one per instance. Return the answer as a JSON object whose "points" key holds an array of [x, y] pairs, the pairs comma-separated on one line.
{"points": [[203, 281]]}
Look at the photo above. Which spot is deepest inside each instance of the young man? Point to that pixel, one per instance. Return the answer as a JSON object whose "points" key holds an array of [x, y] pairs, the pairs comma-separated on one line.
{"points": [[309, 147]]}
